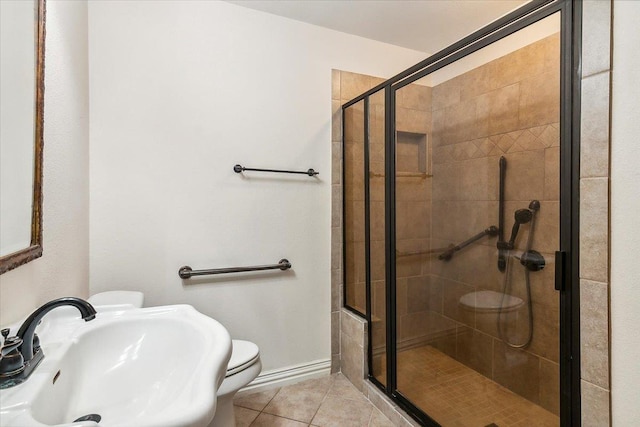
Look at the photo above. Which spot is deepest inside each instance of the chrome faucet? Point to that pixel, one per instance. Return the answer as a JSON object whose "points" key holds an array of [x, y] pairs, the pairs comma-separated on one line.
{"points": [[21, 354]]}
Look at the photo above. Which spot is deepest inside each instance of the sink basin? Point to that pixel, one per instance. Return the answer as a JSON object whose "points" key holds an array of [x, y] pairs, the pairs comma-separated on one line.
{"points": [[155, 367]]}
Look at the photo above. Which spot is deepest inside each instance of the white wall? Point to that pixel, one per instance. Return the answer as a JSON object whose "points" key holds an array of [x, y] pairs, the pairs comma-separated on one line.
{"points": [[63, 269], [182, 91], [625, 205]]}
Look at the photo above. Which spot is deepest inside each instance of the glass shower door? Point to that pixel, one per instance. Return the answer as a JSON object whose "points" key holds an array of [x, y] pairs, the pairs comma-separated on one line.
{"points": [[376, 236], [419, 322], [354, 207], [476, 226]]}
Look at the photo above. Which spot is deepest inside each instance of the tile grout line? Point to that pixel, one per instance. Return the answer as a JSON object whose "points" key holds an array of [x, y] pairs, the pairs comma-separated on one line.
{"points": [[372, 412], [277, 416], [323, 399], [327, 393], [262, 410]]}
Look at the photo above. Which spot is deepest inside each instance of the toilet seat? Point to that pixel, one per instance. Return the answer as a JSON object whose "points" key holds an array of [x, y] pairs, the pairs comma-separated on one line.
{"points": [[243, 367], [243, 355]]}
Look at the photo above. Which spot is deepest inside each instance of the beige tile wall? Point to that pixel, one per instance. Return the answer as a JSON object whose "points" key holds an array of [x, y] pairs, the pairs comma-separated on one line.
{"points": [[594, 212], [353, 344]]}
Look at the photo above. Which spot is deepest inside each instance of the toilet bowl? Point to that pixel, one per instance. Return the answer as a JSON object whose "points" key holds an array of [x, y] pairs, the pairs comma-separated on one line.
{"points": [[489, 308], [490, 302], [244, 366]]}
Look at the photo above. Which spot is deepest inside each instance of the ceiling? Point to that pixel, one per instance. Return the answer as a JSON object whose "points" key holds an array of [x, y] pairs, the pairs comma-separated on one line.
{"points": [[424, 25]]}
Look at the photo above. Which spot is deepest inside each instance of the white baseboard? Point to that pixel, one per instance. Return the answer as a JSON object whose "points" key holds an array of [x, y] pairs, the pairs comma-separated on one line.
{"points": [[288, 375]]}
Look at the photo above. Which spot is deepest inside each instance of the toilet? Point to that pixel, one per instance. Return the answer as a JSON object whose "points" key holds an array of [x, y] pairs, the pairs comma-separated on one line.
{"points": [[243, 367], [489, 306]]}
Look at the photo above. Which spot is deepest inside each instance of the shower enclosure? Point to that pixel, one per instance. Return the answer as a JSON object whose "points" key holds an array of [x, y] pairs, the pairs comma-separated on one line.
{"points": [[458, 226]]}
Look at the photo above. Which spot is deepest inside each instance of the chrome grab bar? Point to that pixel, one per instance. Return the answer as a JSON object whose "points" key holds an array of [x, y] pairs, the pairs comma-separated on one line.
{"points": [[187, 272]]}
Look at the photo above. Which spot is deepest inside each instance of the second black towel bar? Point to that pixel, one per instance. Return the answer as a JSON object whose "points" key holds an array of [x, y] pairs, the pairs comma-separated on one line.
{"points": [[240, 168], [186, 272]]}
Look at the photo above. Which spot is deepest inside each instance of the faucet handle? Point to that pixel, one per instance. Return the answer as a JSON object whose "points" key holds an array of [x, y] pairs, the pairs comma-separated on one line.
{"points": [[36, 343], [10, 344], [6, 341], [11, 362]]}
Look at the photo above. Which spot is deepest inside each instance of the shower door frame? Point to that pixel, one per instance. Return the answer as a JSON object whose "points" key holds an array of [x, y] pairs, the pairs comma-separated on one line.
{"points": [[567, 257]]}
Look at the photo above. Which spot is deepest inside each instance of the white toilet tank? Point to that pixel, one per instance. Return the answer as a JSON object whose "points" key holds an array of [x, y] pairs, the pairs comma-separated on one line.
{"points": [[132, 298]]}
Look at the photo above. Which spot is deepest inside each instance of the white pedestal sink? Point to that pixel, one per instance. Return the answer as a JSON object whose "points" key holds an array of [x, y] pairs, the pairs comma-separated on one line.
{"points": [[155, 367]]}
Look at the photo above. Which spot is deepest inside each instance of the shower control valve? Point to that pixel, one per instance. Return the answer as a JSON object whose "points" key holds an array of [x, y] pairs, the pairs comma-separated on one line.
{"points": [[533, 260]]}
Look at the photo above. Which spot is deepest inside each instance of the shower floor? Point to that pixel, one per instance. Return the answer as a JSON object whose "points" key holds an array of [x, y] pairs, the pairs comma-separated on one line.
{"points": [[456, 395]]}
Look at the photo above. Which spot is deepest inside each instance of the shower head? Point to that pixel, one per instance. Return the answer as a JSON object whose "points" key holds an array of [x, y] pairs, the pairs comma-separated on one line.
{"points": [[522, 216]]}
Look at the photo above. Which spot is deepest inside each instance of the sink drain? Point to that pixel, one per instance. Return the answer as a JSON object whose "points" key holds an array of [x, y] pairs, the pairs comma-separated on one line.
{"points": [[91, 417]]}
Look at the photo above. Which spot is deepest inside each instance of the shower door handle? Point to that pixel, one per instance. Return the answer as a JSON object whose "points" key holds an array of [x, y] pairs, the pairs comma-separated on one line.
{"points": [[561, 264]]}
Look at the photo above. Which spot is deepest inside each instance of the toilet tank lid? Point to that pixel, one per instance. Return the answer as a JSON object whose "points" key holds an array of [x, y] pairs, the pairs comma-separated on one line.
{"points": [[134, 298], [244, 353]]}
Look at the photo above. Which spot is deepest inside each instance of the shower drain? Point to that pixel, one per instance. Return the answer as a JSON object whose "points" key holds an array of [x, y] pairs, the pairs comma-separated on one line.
{"points": [[91, 417]]}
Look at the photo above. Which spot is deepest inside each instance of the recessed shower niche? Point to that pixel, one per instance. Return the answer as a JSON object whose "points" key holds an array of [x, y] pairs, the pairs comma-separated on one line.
{"points": [[411, 154], [452, 222]]}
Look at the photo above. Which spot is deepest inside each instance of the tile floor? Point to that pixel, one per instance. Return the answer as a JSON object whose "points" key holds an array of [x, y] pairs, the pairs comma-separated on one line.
{"points": [[456, 395], [450, 392], [324, 402]]}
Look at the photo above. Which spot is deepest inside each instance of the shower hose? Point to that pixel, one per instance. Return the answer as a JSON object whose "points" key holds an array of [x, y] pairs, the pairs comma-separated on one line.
{"points": [[505, 285]]}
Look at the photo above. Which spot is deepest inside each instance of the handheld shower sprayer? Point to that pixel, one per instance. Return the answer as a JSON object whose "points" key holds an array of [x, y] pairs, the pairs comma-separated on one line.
{"points": [[530, 259], [522, 216]]}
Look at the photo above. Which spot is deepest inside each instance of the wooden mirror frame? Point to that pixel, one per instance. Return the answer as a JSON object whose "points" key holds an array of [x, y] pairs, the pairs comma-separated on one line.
{"points": [[23, 256]]}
